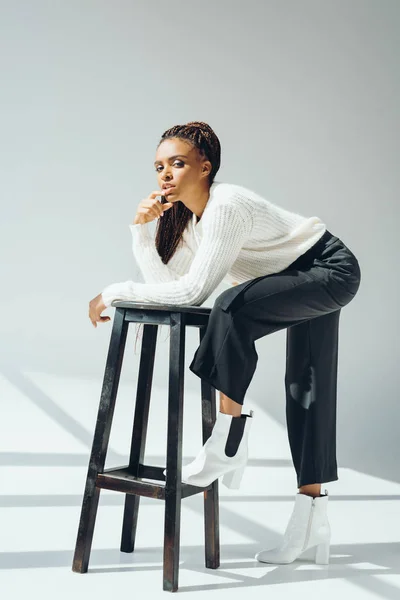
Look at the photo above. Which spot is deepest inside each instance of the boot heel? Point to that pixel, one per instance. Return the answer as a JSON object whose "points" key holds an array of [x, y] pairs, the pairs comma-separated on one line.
{"points": [[322, 554], [233, 479]]}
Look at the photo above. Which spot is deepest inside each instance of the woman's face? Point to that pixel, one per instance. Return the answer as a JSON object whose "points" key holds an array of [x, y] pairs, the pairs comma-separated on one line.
{"points": [[177, 162]]}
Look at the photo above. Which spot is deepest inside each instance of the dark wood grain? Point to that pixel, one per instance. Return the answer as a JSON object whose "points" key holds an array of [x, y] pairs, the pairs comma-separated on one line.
{"points": [[173, 485], [132, 479], [100, 441], [139, 434], [211, 497]]}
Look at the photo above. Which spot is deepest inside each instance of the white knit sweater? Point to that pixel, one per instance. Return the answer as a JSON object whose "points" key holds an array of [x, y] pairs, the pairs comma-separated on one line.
{"points": [[240, 236]]}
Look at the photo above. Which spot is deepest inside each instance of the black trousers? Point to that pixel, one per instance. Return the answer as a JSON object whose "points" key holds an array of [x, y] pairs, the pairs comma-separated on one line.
{"points": [[306, 299]]}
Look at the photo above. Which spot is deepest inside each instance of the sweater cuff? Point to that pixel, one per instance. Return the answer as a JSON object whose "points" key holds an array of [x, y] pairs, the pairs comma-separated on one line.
{"points": [[118, 291], [106, 299], [140, 230]]}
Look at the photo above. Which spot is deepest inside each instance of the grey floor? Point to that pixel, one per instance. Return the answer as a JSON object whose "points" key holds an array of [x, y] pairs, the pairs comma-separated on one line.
{"points": [[43, 469]]}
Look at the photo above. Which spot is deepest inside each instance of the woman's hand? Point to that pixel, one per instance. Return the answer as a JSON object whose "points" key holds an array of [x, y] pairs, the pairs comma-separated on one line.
{"points": [[96, 307], [150, 208]]}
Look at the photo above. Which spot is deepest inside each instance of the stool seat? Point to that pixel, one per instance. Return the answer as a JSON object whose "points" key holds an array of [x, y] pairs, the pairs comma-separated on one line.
{"points": [[184, 308], [137, 479]]}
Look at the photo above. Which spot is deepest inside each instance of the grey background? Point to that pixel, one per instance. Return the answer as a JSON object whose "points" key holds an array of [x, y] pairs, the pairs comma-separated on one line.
{"points": [[304, 97]]}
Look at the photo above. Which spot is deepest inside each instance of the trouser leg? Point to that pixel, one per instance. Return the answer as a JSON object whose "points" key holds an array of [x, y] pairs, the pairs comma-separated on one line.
{"points": [[311, 386], [226, 356], [306, 299]]}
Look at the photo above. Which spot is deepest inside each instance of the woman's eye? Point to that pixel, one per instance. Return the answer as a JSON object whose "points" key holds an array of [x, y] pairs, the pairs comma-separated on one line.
{"points": [[177, 161]]}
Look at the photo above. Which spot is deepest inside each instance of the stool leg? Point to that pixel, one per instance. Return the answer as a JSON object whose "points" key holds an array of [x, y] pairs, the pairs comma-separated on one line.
{"points": [[100, 442], [211, 501], [138, 442], [173, 484]]}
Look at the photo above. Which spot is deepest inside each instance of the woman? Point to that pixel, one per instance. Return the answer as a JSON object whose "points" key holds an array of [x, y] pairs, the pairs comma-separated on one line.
{"points": [[287, 272]]}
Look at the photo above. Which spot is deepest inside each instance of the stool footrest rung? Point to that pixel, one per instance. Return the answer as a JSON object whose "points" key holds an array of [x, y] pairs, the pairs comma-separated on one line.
{"points": [[121, 479]]}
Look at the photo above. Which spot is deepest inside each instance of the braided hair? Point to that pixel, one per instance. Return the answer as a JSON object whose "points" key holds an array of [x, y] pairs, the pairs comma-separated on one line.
{"points": [[170, 228]]}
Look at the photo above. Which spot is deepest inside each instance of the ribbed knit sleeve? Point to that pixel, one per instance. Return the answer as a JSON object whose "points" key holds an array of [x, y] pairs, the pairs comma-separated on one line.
{"points": [[149, 261], [225, 229]]}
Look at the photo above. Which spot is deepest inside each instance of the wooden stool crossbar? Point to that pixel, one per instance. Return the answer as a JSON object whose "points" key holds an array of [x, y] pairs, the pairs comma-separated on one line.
{"points": [[129, 479]]}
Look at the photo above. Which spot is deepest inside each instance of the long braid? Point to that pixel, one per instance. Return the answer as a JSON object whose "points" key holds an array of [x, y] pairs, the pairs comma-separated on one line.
{"points": [[170, 228]]}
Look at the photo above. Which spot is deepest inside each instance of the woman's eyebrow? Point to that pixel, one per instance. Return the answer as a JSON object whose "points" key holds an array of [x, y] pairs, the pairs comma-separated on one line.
{"points": [[171, 157]]}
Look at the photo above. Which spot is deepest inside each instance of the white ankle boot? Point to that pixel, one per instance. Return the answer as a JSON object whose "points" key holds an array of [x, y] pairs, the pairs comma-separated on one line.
{"points": [[224, 453], [308, 529]]}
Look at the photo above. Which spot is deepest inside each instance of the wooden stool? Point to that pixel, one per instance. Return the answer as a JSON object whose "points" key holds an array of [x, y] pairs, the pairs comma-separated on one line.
{"points": [[129, 478]]}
